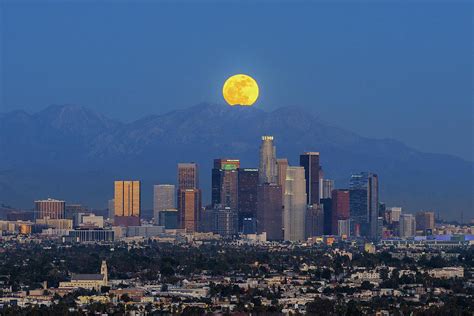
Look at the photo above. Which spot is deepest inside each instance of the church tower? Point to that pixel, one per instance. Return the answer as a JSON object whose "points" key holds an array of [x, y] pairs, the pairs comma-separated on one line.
{"points": [[103, 271]]}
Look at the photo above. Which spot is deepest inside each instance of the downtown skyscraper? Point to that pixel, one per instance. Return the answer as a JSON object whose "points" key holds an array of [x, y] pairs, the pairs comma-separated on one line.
{"points": [[294, 212], [269, 193], [310, 162], [268, 162], [225, 183], [164, 198], [339, 209], [188, 176], [270, 211], [189, 196], [364, 204], [189, 207], [247, 198], [127, 203]]}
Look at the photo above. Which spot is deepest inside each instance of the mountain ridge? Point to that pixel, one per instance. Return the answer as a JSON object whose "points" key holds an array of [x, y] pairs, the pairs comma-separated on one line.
{"points": [[77, 142]]}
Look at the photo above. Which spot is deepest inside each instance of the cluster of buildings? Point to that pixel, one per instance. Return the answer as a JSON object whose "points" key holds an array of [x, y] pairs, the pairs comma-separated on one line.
{"points": [[281, 201], [290, 289], [276, 201]]}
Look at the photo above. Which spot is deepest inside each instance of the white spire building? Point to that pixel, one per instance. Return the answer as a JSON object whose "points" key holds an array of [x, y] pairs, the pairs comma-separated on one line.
{"points": [[268, 163]]}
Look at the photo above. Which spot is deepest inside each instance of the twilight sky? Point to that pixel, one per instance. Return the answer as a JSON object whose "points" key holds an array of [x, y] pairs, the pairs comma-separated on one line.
{"points": [[394, 69]]}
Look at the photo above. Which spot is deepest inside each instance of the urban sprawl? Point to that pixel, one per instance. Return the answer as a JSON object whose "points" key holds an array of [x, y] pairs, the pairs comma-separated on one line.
{"points": [[277, 239]]}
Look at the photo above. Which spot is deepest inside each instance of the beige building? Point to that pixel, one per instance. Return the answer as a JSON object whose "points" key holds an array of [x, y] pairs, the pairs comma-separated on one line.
{"points": [[92, 220], [16, 227], [447, 273], [407, 225], [127, 203], [88, 281], [164, 198], [50, 208], [55, 223]]}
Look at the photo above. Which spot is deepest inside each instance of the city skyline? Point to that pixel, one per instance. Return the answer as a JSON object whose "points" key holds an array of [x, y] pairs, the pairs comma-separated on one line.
{"points": [[189, 177], [236, 158]]}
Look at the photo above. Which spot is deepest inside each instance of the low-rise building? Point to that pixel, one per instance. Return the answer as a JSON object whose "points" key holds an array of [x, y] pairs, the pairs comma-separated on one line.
{"points": [[447, 272], [88, 281]]}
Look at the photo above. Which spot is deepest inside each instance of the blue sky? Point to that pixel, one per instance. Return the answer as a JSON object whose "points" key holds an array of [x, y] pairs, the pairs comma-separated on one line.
{"points": [[395, 69]]}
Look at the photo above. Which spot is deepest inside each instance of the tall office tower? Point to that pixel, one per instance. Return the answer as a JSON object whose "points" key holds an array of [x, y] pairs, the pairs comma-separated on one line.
{"points": [[407, 225], [111, 209], [227, 221], [325, 188], [50, 208], [188, 176], [247, 195], [282, 166], [294, 211], [425, 221], [267, 170], [364, 204], [127, 203], [225, 183], [189, 196], [394, 214], [189, 207], [163, 199], [327, 209], [270, 210], [340, 208], [310, 162], [314, 220]]}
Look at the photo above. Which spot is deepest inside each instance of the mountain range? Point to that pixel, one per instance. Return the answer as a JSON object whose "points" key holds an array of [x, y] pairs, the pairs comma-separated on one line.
{"points": [[74, 153]]}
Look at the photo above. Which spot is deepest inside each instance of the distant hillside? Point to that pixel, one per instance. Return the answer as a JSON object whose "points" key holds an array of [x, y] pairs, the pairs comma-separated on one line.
{"points": [[74, 153]]}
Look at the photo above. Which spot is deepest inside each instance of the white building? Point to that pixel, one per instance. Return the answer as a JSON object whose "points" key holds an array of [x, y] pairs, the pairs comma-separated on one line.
{"points": [[407, 225], [92, 220], [163, 199], [294, 213], [370, 276]]}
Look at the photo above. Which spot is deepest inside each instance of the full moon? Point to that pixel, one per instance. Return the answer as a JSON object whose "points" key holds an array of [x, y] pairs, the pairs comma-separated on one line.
{"points": [[240, 90]]}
